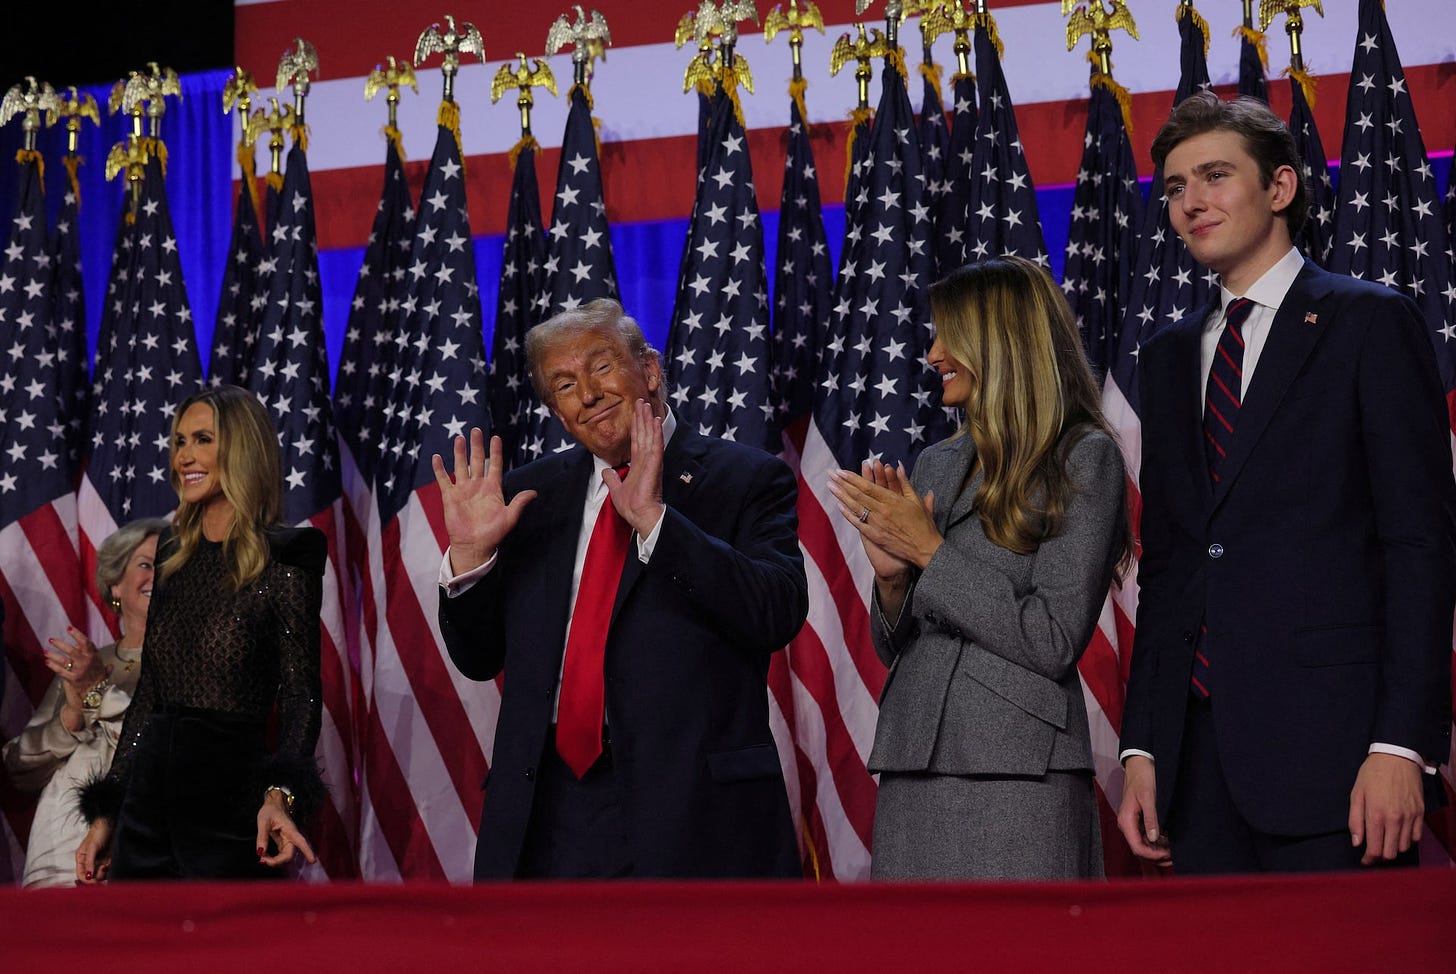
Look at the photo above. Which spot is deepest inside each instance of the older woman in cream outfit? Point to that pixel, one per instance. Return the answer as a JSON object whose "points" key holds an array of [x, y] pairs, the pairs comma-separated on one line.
{"points": [[74, 731]]}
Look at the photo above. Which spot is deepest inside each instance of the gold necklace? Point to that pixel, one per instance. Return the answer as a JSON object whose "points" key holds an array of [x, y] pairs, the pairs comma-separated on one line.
{"points": [[129, 664]]}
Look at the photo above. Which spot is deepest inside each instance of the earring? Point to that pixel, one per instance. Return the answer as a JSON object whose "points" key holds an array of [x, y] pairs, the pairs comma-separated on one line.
{"points": [[115, 604]]}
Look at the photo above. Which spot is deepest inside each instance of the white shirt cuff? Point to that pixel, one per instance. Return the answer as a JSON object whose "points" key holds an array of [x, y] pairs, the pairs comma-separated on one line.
{"points": [[1122, 757], [645, 545], [1403, 752], [456, 584]]}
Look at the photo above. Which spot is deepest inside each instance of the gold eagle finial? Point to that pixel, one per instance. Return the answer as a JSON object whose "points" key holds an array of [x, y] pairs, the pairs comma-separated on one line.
{"points": [[389, 77], [452, 42], [523, 79], [32, 98], [1097, 22], [589, 36], [1269, 9]]}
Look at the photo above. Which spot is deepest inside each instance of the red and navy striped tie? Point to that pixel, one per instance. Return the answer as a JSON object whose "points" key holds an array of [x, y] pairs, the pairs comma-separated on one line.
{"points": [[1225, 392], [1221, 403]]}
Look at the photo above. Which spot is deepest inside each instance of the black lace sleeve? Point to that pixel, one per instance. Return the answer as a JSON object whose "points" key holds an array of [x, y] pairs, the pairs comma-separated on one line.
{"points": [[297, 598]]}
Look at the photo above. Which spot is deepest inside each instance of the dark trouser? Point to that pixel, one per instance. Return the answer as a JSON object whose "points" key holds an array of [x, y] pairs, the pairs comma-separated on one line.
{"points": [[1208, 834], [578, 826], [191, 807]]}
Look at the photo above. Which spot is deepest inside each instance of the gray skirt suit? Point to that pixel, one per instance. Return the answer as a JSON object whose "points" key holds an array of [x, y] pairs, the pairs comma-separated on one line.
{"points": [[982, 745]]}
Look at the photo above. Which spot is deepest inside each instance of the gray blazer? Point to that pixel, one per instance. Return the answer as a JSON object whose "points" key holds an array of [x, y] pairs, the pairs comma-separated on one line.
{"points": [[983, 658]]}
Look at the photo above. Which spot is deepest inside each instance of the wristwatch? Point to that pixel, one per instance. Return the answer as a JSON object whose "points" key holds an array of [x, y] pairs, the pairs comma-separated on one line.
{"points": [[92, 699]]}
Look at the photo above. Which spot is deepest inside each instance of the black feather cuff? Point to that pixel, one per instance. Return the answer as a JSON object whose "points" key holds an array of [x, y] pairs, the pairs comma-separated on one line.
{"points": [[100, 796], [300, 775]]}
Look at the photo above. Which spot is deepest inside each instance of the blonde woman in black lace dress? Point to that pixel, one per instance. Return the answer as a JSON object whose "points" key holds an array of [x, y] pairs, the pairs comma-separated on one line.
{"points": [[193, 791]]}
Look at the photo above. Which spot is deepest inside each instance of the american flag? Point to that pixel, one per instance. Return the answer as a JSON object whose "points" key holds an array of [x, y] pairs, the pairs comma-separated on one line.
{"points": [[718, 358], [1001, 216], [802, 284], [874, 398], [934, 159], [146, 363], [427, 729], [1253, 62], [1315, 239], [68, 332], [579, 265], [290, 375], [955, 200], [1165, 285], [512, 397], [240, 306], [1107, 210], [803, 278], [361, 391], [1388, 225], [369, 349], [39, 574]]}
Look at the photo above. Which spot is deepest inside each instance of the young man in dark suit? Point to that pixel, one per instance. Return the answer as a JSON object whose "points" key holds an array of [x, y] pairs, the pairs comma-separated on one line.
{"points": [[632, 590], [1290, 693]]}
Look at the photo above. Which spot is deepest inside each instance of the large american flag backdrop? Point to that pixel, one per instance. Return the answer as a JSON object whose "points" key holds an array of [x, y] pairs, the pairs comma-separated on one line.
{"points": [[409, 330]]}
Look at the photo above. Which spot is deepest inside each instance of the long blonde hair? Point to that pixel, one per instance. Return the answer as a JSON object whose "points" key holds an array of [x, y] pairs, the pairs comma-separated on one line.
{"points": [[1032, 394], [250, 474]]}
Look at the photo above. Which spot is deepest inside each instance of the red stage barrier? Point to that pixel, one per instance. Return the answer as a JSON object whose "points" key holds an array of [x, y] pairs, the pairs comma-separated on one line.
{"points": [[1384, 921]]}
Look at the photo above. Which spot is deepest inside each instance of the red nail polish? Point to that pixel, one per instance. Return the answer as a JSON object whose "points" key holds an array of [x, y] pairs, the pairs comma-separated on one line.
{"points": [[88, 874], [261, 850]]}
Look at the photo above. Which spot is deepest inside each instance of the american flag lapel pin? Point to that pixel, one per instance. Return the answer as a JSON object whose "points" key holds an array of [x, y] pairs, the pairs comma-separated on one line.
{"points": [[1310, 318]]}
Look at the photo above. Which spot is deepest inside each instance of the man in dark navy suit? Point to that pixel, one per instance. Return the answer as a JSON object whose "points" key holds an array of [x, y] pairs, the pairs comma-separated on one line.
{"points": [[632, 590], [1290, 693]]}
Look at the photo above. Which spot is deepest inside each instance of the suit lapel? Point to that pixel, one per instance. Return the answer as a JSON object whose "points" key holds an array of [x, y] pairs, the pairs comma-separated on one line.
{"points": [[1291, 339], [952, 476]]}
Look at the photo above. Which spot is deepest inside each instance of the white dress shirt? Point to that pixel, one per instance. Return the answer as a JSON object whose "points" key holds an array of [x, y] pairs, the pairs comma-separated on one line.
{"points": [[596, 496], [1267, 293]]}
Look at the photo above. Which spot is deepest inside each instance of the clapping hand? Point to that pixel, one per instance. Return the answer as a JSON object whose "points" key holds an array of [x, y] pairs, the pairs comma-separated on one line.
{"points": [[74, 660], [895, 523]]}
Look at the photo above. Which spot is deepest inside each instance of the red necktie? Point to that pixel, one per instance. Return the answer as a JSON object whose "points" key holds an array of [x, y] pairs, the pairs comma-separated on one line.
{"points": [[582, 706]]}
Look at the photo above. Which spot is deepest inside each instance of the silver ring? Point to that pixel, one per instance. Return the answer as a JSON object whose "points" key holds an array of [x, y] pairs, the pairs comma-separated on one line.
{"points": [[864, 516], [70, 664]]}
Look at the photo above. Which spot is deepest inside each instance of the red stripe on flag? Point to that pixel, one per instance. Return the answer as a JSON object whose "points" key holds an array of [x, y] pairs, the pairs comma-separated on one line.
{"points": [[1099, 671], [818, 538], [810, 662], [434, 693], [816, 861], [394, 805]]}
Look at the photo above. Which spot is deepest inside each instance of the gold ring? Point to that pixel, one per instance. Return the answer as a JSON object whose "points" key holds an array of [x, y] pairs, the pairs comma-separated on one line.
{"points": [[70, 664]]}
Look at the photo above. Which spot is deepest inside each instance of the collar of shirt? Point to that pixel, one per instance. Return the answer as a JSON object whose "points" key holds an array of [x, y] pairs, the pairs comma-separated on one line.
{"points": [[599, 486], [1267, 292]]}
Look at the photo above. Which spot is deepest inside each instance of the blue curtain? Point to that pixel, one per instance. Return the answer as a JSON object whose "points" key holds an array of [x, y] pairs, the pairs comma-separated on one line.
{"points": [[199, 140]]}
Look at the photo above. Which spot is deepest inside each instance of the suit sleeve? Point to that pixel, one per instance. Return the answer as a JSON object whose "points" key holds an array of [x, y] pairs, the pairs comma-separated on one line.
{"points": [[1155, 543], [473, 627], [753, 583], [1406, 431], [1045, 627], [33, 755]]}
